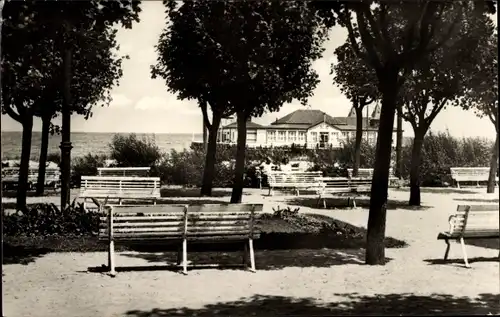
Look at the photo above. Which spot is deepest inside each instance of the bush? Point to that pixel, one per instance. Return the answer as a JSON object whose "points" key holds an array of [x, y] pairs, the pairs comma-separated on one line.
{"points": [[441, 151], [54, 157], [130, 151], [47, 219], [86, 165]]}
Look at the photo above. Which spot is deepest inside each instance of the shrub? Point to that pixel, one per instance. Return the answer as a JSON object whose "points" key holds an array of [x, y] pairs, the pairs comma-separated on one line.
{"points": [[47, 219], [86, 165], [131, 151], [54, 157]]}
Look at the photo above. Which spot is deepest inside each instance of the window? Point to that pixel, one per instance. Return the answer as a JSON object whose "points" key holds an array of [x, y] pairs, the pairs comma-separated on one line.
{"points": [[302, 136], [281, 136], [252, 136], [271, 136], [345, 135], [314, 137], [292, 136], [323, 139]]}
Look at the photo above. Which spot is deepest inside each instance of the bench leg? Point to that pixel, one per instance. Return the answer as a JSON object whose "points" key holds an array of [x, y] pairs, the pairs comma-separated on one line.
{"points": [[462, 242], [252, 255], [184, 256], [447, 249], [245, 255], [297, 191], [318, 201], [111, 258], [179, 255], [458, 185], [270, 191], [353, 202]]}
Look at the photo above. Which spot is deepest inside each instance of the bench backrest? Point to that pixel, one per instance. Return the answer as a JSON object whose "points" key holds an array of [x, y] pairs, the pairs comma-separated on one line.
{"points": [[366, 172], [13, 173], [335, 182], [470, 173], [475, 220], [143, 222], [117, 186], [123, 171], [220, 221], [278, 177], [177, 221]]}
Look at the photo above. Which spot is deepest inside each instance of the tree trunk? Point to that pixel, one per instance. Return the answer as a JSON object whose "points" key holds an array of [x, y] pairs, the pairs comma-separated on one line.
{"points": [[22, 184], [209, 170], [399, 146], [416, 156], [240, 159], [66, 132], [493, 167], [375, 249], [44, 148], [205, 145], [357, 144]]}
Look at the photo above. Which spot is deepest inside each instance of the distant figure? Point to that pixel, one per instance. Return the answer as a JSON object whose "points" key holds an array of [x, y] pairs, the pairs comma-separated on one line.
{"points": [[285, 165], [266, 167]]}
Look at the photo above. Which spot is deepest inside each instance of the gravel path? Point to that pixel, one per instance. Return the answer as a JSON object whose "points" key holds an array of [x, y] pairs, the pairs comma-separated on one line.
{"points": [[413, 282]]}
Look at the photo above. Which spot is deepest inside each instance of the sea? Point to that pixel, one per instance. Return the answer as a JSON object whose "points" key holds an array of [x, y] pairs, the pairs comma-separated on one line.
{"points": [[95, 143]]}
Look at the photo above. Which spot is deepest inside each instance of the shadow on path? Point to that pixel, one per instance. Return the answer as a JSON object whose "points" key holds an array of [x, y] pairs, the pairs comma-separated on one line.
{"points": [[14, 254], [460, 261], [340, 201], [353, 304]]}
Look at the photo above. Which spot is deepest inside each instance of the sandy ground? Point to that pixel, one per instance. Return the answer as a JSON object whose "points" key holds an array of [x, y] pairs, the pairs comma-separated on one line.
{"points": [[414, 281]]}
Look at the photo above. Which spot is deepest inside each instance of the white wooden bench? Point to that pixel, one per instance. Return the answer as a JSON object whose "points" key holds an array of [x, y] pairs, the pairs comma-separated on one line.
{"points": [[123, 171], [335, 185], [470, 174], [294, 180], [471, 222], [119, 188], [368, 173], [10, 176], [180, 224]]}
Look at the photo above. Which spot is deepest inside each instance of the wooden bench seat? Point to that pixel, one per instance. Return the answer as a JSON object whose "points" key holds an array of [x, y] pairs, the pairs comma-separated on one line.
{"points": [[470, 174], [293, 180], [368, 173], [119, 188], [471, 222], [123, 171], [180, 224]]}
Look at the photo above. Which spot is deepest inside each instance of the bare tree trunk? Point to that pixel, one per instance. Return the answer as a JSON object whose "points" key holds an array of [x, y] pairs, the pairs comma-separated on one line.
{"points": [[66, 132], [359, 137], [205, 137], [210, 158], [375, 249], [240, 159], [493, 167], [399, 146], [22, 183], [44, 148], [416, 157]]}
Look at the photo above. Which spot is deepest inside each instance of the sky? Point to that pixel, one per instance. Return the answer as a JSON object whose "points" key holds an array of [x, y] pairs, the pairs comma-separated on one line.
{"points": [[143, 105]]}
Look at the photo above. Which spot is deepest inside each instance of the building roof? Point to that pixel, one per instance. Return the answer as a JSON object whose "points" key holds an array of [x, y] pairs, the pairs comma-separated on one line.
{"points": [[308, 117], [250, 125]]}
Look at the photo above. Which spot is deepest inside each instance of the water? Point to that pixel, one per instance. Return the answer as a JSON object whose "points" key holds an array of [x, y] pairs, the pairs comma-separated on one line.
{"points": [[95, 143]]}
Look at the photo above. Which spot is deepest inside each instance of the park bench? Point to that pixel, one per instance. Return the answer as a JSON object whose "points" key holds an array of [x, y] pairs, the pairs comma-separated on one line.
{"points": [[293, 180], [180, 225], [10, 177], [368, 173], [119, 188], [335, 185], [471, 222], [123, 171], [470, 174]]}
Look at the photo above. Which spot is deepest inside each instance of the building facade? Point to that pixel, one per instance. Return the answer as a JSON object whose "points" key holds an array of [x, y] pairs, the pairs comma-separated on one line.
{"points": [[309, 128]]}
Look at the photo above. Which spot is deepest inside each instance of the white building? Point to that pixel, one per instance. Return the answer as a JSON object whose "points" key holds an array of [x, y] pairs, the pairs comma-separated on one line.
{"points": [[312, 128]]}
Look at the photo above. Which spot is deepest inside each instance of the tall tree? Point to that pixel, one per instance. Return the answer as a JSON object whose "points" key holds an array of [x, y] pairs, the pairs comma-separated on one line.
{"points": [[244, 58], [482, 96], [392, 37], [57, 27], [96, 69], [190, 62], [439, 80], [359, 83]]}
